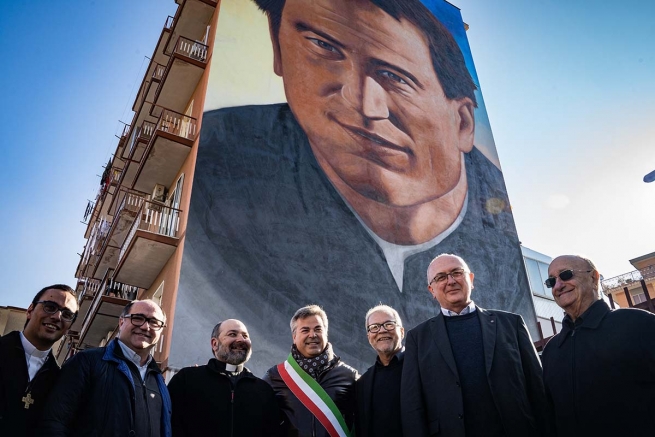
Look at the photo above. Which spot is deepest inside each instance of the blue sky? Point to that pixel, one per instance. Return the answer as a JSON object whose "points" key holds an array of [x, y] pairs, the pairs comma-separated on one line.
{"points": [[568, 87]]}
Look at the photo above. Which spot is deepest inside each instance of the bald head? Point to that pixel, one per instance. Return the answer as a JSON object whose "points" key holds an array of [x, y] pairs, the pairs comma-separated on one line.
{"points": [[433, 268], [582, 288]]}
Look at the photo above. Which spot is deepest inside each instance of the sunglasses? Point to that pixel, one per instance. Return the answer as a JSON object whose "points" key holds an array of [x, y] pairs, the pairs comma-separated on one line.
{"points": [[564, 275]]}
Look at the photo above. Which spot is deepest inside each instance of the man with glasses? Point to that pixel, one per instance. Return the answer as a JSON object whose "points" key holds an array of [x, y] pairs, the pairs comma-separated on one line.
{"points": [[470, 371], [117, 389], [599, 371], [378, 390], [28, 368]]}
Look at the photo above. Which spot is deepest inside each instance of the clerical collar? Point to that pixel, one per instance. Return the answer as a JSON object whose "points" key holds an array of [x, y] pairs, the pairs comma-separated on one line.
{"points": [[232, 368], [31, 350], [468, 310], [134, 357]]}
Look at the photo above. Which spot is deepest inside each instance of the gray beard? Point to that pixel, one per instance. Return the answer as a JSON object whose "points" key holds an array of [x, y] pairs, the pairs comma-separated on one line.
{"points": [[234, 357]]}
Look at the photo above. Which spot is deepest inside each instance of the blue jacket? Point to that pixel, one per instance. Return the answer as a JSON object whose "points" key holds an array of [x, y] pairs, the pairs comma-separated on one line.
{"points": [[95, 396]]}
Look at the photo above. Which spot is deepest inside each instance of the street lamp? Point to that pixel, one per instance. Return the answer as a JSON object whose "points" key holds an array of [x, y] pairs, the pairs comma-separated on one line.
{"points": [[650, 177]]}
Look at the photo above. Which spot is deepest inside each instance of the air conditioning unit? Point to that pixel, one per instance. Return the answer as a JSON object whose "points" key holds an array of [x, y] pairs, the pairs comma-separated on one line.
{"points": [[159, 193]]}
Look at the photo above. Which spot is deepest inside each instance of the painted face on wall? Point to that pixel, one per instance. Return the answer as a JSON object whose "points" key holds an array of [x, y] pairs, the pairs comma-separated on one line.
{"points": [[362, 86]]}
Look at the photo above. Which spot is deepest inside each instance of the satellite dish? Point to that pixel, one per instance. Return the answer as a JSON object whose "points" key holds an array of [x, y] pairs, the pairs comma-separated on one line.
{"points": [[650, 177]]}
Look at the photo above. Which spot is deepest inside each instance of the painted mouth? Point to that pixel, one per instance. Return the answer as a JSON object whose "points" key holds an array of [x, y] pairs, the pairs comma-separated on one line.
{"points": [[374, 139]]}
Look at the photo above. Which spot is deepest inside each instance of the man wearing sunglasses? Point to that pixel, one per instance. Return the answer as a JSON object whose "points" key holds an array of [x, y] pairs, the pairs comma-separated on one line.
{"points": [[378, 390], [602, 364], [117, 389], [470, 371], [28, 368]]}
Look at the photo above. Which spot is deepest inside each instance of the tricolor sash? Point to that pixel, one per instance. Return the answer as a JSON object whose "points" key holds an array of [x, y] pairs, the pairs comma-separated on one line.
{"points": [[313, 397]]}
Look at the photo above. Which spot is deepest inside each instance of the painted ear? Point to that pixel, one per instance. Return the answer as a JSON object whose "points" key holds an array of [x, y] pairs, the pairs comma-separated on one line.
{"points": [[466, 113], [275, 41]]}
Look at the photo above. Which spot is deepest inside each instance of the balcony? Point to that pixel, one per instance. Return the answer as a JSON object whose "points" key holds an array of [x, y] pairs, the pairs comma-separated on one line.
{"points": [[150, 243], [169, 147], [102, 318], [133, 153], [92, 249], [192, 19], [121, 224], [639, 283], [185, 67], [84, 300]]}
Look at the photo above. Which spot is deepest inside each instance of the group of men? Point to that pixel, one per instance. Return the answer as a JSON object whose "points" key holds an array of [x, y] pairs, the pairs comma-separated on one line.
{"points": [[469, 371]]}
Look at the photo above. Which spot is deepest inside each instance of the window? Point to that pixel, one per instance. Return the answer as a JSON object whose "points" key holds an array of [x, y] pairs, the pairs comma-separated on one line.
{"points": [[537, 274], [638, 296]]}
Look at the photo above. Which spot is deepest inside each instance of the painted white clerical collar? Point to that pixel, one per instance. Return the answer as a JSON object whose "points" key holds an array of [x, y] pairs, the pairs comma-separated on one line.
{"points": [[133, 356], [31, 350], [468, 310]]}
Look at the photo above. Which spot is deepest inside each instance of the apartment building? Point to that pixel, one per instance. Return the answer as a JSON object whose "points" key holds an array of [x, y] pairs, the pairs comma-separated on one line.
{"points": [[635, 289], [136, 224]]}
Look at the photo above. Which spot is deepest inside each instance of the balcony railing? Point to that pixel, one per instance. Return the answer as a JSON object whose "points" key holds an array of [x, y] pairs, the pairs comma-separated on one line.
{"points": [[91, 287], [156, 218], [90, 206], [191, 49], [627, 279], [122, 291], [142, 133], [177, 124], [170, 22], [158, 72]]}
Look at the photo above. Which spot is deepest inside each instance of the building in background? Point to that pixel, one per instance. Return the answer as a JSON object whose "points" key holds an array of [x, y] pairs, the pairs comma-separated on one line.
{"points": [[239, 247], [12, 319], [549, 314], [634, 289]]}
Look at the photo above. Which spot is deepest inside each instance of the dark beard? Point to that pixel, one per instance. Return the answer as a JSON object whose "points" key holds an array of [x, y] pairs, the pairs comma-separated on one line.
{"points": [[233, 356]]}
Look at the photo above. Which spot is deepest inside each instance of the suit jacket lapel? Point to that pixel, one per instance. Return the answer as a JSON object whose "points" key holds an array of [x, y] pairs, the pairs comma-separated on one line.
{"points": [[440, 335], [488, 325]]}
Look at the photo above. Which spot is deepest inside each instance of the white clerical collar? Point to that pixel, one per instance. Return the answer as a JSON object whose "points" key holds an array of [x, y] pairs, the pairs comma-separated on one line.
{"points": [[31, 350], [468, 310], [232, 368], [135, 358]]}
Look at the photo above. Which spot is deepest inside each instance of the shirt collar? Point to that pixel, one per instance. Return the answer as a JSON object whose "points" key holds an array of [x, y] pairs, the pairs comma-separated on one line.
{"points": [[468, 310], [31, 350], [398, 357], [133, 356]]}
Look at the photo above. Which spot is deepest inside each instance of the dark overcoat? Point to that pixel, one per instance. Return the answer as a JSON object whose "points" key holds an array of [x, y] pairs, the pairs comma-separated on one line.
{"points": [[599, 373]]}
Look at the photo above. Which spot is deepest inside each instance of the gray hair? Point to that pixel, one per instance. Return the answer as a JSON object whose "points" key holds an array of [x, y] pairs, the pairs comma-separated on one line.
{"points": [[308, 311], [384, 309], [466, 267]]}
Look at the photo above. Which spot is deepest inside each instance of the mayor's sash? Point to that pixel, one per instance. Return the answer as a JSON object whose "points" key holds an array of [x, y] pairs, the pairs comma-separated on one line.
{"points": [[313, 397]]}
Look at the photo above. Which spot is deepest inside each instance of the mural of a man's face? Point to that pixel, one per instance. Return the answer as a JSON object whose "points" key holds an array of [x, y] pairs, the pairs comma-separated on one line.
{"points": [[362, 86]]}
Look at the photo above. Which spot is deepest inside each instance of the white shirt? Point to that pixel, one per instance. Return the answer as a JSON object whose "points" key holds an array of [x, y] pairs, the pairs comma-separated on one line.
{"points": [[136, 359], [468, 310], [396, 254], [34, 357]]}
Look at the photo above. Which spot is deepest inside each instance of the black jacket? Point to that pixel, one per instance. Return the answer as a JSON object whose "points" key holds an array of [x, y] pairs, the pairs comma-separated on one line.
{"points": [[338, 381], [599, 373], [15, 420], [207, 402], [431, 395], [95, 396]]}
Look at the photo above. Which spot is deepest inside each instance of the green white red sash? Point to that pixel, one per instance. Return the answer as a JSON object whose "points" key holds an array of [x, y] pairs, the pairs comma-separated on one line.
{"points": [[313, 397]]}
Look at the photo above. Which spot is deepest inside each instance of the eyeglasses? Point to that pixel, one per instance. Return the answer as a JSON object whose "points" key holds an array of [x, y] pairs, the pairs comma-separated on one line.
{"points": [[51, 307], [139, 320], [375, 327], [455, 274], [564, 275]]}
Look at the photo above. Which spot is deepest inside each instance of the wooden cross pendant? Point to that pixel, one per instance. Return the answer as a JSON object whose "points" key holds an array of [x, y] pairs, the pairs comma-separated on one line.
{"points": [[28, 400]]}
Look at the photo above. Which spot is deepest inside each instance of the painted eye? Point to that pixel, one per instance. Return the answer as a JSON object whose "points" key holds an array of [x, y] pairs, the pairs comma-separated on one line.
{"points": [[322, 44], [394, 77]]}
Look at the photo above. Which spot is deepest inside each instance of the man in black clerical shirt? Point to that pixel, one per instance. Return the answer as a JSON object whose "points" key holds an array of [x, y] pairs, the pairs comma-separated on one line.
{"points": [[223, 398], [470, 371], [378, 390], [28, 369]]}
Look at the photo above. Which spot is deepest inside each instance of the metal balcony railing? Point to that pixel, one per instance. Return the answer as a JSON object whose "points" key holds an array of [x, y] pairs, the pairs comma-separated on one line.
{"points": [[156, 218], [191, 49], [117, 289], [90, 206], [626, 279], [170, 22]]}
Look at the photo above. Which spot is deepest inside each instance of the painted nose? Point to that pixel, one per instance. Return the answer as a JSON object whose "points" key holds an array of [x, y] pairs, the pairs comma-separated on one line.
{"points": [[367, 96]]}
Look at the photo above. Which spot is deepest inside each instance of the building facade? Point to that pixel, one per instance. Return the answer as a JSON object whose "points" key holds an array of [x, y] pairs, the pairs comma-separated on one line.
{"points": [[273, 223]]}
